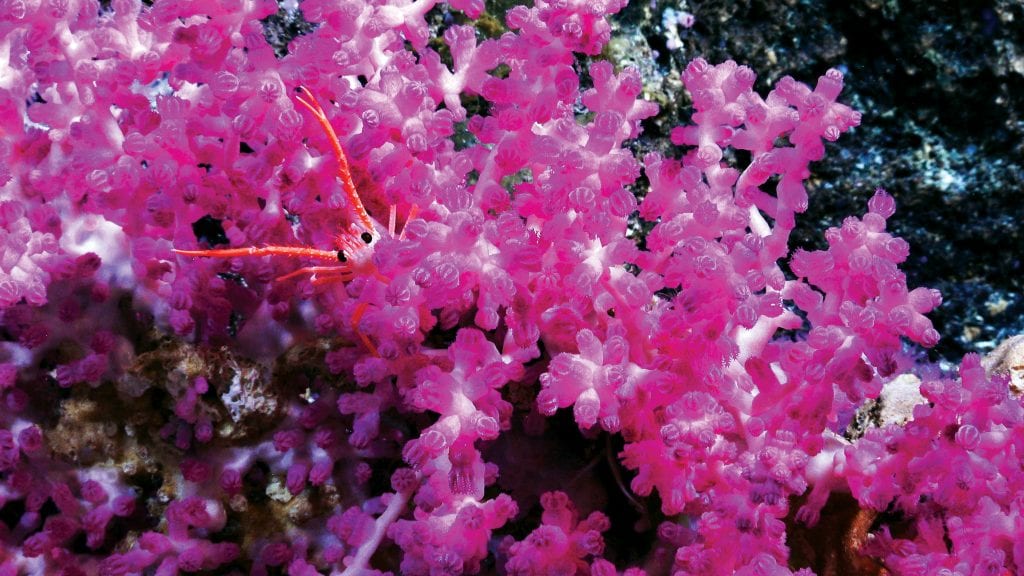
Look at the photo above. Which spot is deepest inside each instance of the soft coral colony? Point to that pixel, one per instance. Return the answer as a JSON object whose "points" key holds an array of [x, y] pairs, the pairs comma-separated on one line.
{"points": [[727, 363]]}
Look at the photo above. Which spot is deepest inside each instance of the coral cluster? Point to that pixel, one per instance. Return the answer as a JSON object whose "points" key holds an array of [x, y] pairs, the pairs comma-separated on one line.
{"points": [[476, 269]]}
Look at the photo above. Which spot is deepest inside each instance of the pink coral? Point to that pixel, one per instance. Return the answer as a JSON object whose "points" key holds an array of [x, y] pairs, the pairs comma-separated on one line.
{"points": [[563, 544], [459, 215]]}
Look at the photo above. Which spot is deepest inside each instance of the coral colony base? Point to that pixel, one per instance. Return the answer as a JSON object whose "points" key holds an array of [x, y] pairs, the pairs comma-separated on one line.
{"points": [[360, 400]]}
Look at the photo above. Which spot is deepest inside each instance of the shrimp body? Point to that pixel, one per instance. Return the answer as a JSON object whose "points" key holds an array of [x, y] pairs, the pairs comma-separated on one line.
{"points": [[354, 247]]}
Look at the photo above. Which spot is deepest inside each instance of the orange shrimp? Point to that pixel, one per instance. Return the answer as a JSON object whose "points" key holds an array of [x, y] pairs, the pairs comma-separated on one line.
{"points": [[353, 256]]}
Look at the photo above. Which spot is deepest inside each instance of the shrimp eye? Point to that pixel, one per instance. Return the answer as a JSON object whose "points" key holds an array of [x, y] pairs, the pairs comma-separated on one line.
{"points": [[341, 256], [366, 237]]}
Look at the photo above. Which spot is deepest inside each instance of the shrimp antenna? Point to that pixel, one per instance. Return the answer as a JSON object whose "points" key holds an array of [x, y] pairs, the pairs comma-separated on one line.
{"points": [[344, 174]]}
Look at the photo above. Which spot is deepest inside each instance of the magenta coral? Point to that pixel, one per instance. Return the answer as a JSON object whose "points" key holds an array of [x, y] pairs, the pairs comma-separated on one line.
{"points": [[563, 544], [446, 229]]}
